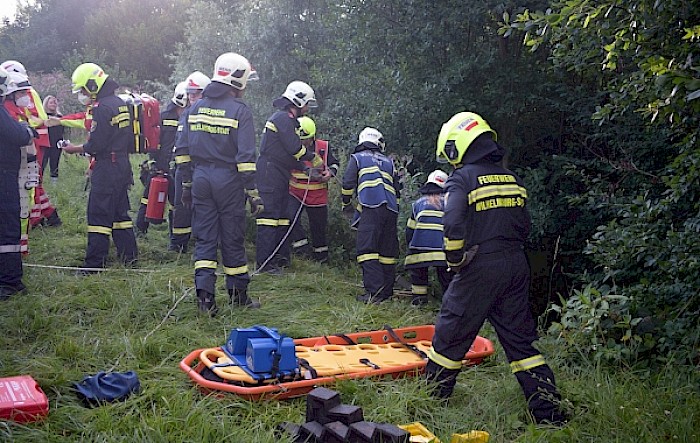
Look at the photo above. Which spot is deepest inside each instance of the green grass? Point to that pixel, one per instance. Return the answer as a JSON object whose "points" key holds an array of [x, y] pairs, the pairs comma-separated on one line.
{"points": [[68, 327]]}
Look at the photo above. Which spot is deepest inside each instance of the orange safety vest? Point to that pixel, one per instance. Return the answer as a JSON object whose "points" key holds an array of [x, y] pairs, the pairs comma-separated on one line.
{"points": [[311, 192]]}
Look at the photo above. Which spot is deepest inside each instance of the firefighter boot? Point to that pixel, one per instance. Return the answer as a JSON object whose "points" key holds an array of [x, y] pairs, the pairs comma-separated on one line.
{"points": [[543, 399], [441, 380], [240, 297], [206, 302]]}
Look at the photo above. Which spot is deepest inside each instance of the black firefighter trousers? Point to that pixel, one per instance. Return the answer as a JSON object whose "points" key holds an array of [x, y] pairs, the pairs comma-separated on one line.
{"points": [[219, 221], [494, 286], [108, 212]]}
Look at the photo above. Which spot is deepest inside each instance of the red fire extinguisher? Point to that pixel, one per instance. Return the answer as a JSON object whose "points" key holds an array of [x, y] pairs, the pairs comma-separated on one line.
{"points": [[157, 196]]}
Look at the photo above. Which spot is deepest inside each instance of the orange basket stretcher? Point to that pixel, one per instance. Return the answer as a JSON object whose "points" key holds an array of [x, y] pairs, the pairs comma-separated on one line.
{"points": [[415, 336]]}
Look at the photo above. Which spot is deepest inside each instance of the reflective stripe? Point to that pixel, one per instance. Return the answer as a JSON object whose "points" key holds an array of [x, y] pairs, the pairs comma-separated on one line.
{"points": [[429, 226], [453, 245], [168, 122], [374, 170], [300, 175], [348, 192], [99, 230], [411, 223], [7, 249], [527, 363], [144, 201], [182, 159], [388, 260], [271, 126], [430, 213], [300, 153], [236, 271], [181, 231], [119, 118], [444, 361], [213, 121], [419, 289], [205, 264], [266, 222], [246, 167], [283, 222], [321, 249], [424, 257], [367, 257], [309, 186], [300, 243], [376, 182], [496, 191], [123, 225]]}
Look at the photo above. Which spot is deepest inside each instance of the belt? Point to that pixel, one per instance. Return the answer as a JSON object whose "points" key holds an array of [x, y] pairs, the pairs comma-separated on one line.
{"points": [[113, 156]]}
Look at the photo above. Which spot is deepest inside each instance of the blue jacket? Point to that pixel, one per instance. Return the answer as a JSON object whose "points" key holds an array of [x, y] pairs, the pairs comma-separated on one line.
{"points": [[370, 175], [424, 231]]}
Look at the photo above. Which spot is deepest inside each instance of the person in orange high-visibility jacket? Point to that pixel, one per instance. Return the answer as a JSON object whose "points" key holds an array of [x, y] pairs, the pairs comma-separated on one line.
{"points": [[309, 192]]}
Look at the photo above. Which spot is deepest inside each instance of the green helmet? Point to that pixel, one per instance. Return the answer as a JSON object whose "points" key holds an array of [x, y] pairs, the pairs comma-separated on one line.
{"points": [[458, 134], [89, 76], [307, 128]]}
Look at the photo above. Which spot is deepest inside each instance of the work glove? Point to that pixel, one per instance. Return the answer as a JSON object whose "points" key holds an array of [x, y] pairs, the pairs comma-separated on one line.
{"points": [[256, 203], [459, 264], [186, 196]]}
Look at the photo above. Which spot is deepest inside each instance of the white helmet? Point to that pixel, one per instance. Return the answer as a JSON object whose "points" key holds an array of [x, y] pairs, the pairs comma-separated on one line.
{"points": [[13, 66], [371, 135], [180, 95], [299, 93], [438, 177], [197, 82], [4, 81], [234, 70], [17, 82]]}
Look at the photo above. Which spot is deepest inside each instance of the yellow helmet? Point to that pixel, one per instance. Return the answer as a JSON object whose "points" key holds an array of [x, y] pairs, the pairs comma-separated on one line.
{"points": [[89, 76], [458, 134], [307, 128]]}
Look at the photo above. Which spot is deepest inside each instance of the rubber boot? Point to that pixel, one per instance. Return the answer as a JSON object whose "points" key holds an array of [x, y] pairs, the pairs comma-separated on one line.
{"points": [[442, 381], [206, 302], [240, 297]]}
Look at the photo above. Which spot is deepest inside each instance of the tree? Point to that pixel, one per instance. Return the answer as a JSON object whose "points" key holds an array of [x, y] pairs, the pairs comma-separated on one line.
{"points": [[640, 53]]}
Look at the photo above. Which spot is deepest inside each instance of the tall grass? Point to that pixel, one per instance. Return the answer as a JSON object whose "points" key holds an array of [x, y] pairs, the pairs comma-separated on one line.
{"points": [[67, 327]]}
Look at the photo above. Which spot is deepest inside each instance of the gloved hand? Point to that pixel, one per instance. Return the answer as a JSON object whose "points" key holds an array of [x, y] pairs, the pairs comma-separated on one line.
{"points": [[256, 203], [467, 257], [187, 196]]}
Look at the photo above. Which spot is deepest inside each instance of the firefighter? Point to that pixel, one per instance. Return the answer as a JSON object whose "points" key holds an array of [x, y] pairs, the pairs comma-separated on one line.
{"points": [[424, 236], [13, 136], [220, 136], [111, 140], [281, 151], [17, 99], [158, 163], [42, 211], [372, 178], [486, 224], [310, 193], [182, 211]]}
